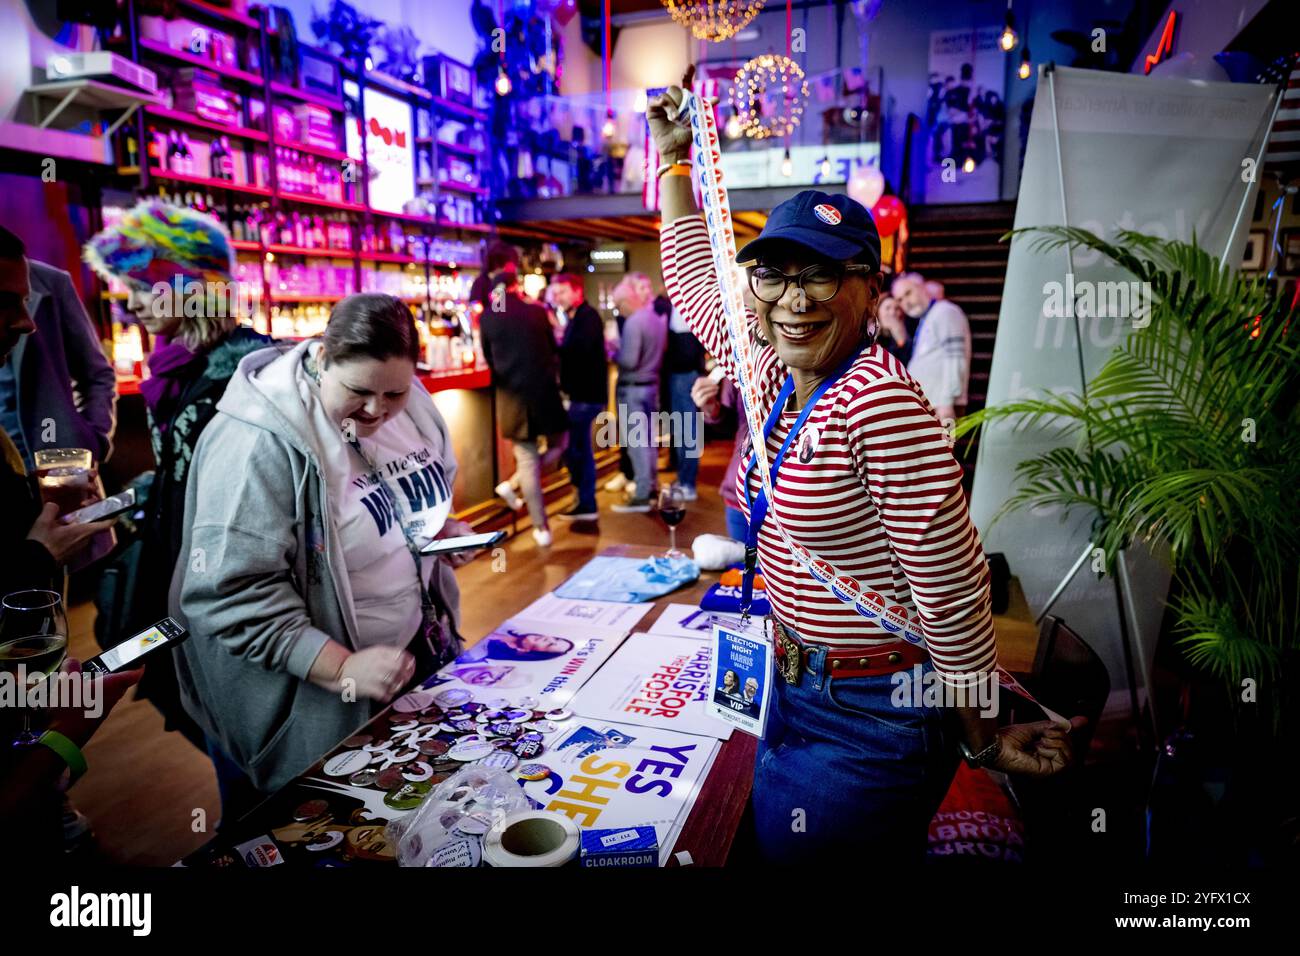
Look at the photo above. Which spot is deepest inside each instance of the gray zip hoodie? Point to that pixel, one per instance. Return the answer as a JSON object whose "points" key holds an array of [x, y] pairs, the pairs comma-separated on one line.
{"points": [[261, 582]]}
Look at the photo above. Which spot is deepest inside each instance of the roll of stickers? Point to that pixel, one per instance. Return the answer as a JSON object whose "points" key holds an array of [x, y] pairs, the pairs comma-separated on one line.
{"points": [[532, 838]]}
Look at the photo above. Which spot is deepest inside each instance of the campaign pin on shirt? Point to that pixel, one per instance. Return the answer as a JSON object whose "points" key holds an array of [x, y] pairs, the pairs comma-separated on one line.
{"points": [[808, 443]]}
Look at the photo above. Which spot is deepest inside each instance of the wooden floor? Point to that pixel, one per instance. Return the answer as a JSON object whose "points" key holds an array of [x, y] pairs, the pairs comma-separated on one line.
{"points": [[146, 787], [152, 797]]}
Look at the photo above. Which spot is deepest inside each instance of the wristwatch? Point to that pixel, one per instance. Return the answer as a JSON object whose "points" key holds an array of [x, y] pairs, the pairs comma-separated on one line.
{"points": [[985, 757]]}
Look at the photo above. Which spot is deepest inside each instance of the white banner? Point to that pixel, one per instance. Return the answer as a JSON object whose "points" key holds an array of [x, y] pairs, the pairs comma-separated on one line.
{"points": [[1163, 157]]}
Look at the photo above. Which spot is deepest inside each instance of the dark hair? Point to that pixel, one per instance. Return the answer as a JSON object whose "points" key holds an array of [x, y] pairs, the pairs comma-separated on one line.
{"points": [[11, 247], [371, 325], [501, 254], [663, 305], [569, 279]]}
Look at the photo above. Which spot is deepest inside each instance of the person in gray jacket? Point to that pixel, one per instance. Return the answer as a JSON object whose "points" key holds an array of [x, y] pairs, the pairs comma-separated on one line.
{"points": [[325, 470], [640, 360]]}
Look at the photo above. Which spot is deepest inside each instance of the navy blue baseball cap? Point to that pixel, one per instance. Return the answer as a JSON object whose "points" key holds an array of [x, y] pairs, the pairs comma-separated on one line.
{"points": [[833, 226]]}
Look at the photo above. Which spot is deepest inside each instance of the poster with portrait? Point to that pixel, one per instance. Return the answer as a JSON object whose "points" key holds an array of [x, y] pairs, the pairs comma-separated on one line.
{"points": [[655, 680], [965, 116], [607, 775], [526, 657]]}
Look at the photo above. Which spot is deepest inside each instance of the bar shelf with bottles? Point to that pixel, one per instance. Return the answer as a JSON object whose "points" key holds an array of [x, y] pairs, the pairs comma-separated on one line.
{"points": [[265, 153]]}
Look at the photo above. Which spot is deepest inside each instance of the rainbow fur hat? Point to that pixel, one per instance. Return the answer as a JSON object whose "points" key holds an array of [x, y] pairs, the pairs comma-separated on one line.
{"points": [[155, 242]]}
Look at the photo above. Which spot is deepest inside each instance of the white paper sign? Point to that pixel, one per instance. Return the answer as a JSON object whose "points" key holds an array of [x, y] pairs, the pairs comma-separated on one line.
{"points": [[608, 775], [654, 680], [548, 607]]}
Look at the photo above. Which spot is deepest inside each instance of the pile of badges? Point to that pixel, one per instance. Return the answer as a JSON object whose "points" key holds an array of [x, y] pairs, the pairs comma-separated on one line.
{"points": [[430, 736], [433, 735]]}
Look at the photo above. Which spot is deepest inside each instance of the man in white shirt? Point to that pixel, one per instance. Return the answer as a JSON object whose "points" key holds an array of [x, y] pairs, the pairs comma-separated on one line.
{"points": [[940, 360]]}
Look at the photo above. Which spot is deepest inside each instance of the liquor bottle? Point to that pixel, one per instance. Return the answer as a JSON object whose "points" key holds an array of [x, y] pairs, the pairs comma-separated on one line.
{"points": [[216, 166], [174, 160], [152, 149]]}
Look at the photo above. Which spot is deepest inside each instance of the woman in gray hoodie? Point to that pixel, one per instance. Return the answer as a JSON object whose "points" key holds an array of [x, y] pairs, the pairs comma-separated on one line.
{"points": [[325, 470]]}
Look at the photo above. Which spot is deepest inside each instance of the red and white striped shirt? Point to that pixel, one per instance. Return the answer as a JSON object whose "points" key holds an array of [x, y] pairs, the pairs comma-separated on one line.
{"points": [[880, 498]]}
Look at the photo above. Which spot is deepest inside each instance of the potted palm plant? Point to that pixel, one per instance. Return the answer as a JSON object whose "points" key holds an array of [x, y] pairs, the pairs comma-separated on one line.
{"points": [[1189, 435]]}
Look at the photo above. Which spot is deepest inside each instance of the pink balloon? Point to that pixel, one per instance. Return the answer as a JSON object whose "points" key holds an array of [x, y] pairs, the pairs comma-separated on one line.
{"points": [[866, 185], [889, 214]]}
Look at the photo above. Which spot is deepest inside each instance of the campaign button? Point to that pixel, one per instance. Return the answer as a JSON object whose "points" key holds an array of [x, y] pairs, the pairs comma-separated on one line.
{"points": [[363, 778], [501, 759], [389, 779], [310, 809], [528, 749], [408, 796], [346, 763], [453, 697]]}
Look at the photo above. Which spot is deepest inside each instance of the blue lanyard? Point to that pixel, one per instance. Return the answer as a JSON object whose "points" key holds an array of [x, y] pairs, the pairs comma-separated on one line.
{"points": [[759, 505]]}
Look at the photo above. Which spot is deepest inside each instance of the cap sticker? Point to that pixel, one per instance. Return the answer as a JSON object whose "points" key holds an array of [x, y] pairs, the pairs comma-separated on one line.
{"points": [[828, 214]]}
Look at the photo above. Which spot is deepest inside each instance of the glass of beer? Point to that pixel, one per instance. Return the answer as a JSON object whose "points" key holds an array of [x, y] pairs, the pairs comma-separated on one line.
{"points": [[65, 476], [33, 643]]}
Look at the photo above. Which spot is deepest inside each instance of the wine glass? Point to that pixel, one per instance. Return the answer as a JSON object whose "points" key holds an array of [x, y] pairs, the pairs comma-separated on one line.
{"points": [[672, 509], [33, 643]]}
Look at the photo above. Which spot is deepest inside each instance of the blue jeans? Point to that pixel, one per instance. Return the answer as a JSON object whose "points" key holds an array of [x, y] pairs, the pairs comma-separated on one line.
{"points": [[737, 526], [843, 773], [639, 403], [688, 453], [579, 457]]}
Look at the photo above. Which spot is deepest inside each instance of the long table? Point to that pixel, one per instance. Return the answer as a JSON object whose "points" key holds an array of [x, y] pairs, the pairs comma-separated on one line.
{"points": [[711, 826]]}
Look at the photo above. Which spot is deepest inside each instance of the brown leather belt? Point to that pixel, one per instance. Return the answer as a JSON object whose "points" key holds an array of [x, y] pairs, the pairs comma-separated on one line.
{"points": [[792, 657]]}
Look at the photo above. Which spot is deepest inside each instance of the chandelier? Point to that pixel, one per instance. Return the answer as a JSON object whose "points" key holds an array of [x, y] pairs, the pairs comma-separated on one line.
{"points": [[714, 20], [764, 79]]}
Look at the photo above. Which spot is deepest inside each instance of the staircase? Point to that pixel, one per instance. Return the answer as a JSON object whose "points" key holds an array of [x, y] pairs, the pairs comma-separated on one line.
{"points": [[958, 245]]}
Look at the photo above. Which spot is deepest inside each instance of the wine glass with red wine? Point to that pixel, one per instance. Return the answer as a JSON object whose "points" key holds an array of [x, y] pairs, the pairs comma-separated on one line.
{"points": [[672, 509]]}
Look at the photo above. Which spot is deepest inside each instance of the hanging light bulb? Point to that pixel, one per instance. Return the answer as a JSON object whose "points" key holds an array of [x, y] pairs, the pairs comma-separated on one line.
{"points": [[969, 165], [1026, 65], [1008, 38], [503, 83], [734, 129], [787, 164], [609, 129], [826, 167]]}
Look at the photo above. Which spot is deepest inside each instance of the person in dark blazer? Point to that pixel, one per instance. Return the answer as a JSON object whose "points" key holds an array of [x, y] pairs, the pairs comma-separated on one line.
{"points": [[58, 390], [519, 346], [34, 544], [584, 376]]}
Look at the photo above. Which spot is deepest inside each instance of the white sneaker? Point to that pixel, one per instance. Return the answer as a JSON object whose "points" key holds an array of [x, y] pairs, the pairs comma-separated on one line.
{"points": [[506, 492], [690, 494], [617, 483], [542, 536]]}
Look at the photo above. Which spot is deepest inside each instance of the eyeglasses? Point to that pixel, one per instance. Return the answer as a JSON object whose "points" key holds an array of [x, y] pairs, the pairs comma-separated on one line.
{"points": [[820, 282]]}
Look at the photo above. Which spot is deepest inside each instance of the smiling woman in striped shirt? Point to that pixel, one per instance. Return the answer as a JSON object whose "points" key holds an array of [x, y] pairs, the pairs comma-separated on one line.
{"points": [[870, 485]]}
